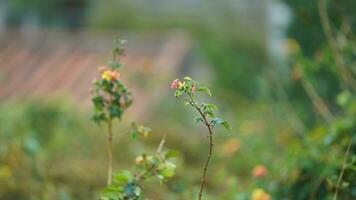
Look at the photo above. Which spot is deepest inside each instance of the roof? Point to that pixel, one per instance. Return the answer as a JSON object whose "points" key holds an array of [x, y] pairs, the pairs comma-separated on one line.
{"points": [[54, 62]]}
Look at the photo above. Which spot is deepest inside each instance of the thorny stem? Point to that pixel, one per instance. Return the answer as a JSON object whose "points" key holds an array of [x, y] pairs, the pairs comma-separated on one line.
{"points": [[211, 144], [342, 170], [110, 136]]}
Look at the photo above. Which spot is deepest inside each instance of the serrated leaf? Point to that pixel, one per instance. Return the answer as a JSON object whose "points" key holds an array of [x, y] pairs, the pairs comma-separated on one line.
{"points": [[197, 119], [210, 106], [226, 125], [219, 121], [204, 89]]}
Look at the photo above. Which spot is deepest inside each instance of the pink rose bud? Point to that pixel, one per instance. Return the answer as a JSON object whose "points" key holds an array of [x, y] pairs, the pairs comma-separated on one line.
{"points": [[175, 84]]}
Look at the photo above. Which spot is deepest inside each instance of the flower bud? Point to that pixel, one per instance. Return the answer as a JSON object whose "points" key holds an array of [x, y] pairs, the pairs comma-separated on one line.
{"points": [[115, 75], [181, 85], [194, 88], [110, 75], [106, 75], [175, 84]]}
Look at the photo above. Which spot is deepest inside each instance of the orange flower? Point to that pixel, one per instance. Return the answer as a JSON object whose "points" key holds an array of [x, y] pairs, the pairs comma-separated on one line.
{"points": [[110, 75], [259, 171], [115, 75]]}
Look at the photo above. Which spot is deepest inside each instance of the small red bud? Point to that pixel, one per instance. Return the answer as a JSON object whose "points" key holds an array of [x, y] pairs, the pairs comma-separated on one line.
{"points": [[175, 84]]}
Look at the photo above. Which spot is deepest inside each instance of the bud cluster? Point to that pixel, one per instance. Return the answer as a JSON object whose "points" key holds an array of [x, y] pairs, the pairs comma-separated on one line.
{"points": [[109, 96]]}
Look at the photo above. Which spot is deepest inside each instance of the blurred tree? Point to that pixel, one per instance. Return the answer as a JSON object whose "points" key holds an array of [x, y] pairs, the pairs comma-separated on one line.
{"points": [[306, 25], [67, 13]]}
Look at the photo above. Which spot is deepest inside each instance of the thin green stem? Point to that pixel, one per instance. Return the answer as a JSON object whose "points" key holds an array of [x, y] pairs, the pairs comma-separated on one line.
{"points": [[110, 137], [211, 144]]}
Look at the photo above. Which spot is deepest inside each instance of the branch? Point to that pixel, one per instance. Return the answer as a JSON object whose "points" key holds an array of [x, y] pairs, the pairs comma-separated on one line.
{"points": [[342, 170], [211, 144], [345, 74], [318, 102], [160, 146]]}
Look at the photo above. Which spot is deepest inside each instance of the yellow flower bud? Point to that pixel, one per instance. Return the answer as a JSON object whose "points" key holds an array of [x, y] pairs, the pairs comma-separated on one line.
{"points": [[180, 85], [106, 75]]}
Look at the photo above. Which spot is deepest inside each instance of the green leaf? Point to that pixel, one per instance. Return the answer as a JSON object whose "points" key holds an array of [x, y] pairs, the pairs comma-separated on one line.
{"points": [[171, 154], [99, 117], [134, 134], [98, 102], [210, 106], [114, 64], [204, 89], [123, 177], [111, 193], [219, 121], [115, 111], [226, 125], [197, 119], [178, 93], [168, 170], [209, 109]]}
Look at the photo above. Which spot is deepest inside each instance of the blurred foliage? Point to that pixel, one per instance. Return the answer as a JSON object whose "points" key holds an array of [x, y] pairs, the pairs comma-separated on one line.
{"points": [[36, 140], [306, 27], [69, 13], [237, 56], [46, 150]]}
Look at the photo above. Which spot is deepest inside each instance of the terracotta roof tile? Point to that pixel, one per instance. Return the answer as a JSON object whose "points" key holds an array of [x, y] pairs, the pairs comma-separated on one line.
{"points": [[61, 62]]}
